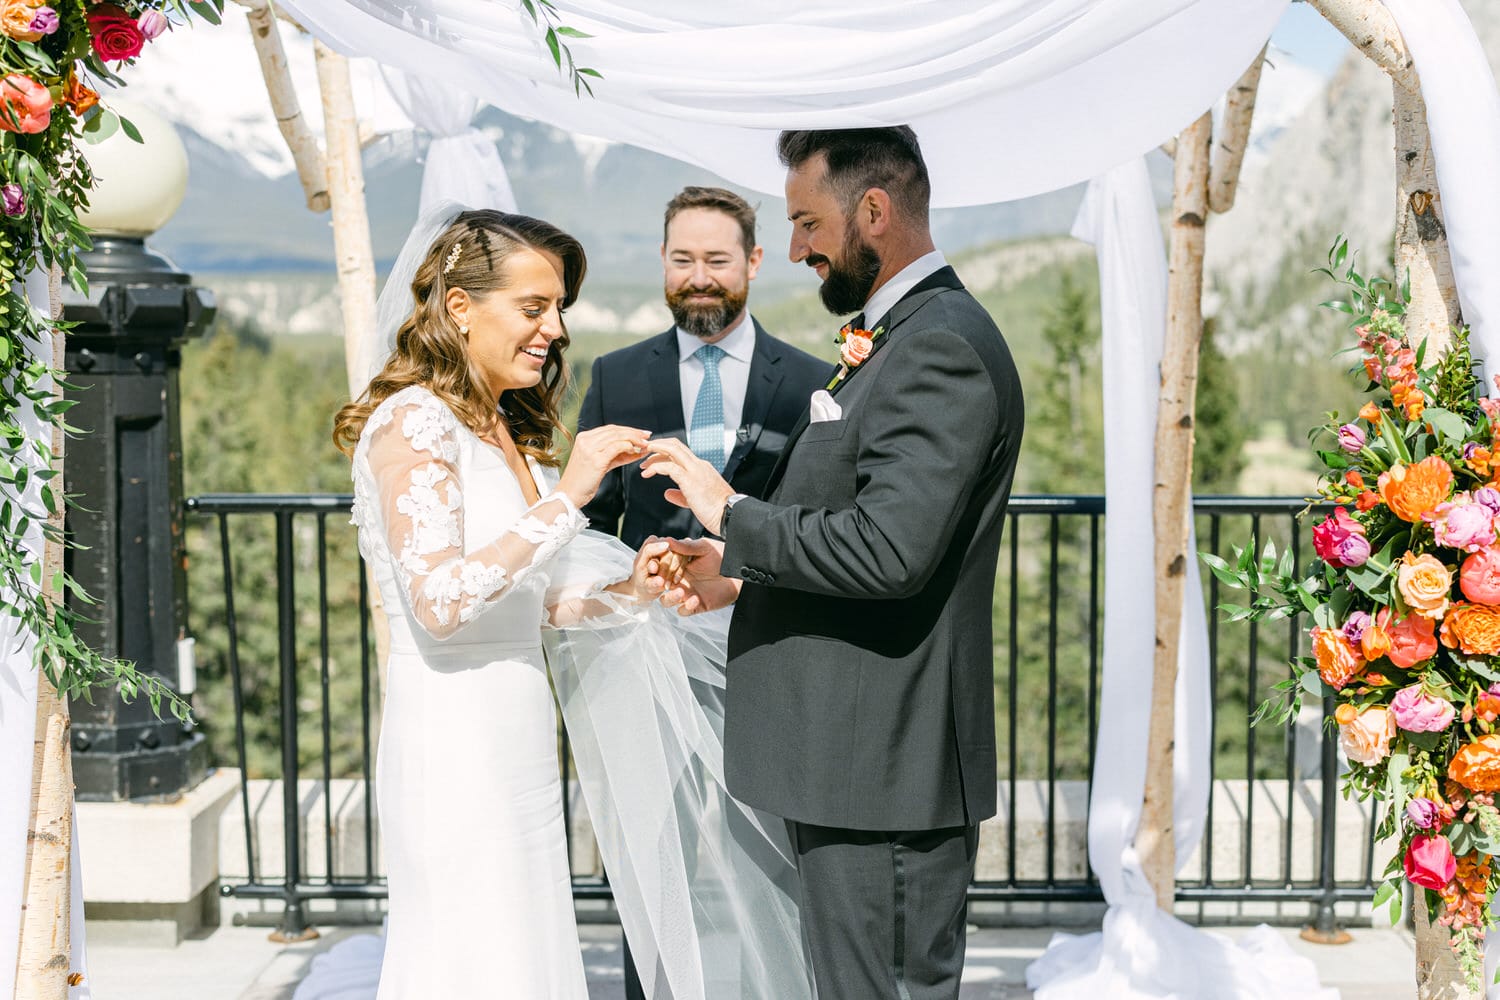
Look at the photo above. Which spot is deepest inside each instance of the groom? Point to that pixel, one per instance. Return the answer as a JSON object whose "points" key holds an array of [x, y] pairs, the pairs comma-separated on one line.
{"points": [[860, 700]]}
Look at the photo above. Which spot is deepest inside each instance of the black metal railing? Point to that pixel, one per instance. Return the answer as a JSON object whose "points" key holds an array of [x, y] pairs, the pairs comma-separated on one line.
{"points": [[1048, 646]]}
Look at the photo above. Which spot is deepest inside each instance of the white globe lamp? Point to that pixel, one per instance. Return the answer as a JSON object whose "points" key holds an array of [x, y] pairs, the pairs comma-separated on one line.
{"points": [[138, 185]]}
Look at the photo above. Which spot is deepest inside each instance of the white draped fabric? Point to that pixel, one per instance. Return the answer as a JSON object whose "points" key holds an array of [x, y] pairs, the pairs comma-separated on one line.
{"points": [[1010, 97], [1463, 116], [463, 164], [1143, 952], [18, 693]]}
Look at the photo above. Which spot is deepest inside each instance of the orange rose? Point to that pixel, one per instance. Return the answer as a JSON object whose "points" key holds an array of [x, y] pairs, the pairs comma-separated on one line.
{"points": [[857, 346], [1477, 766], [1413, 490], [1338, 663], [1424, 583], [16, 17], [1367, 738], [1473, 628]]}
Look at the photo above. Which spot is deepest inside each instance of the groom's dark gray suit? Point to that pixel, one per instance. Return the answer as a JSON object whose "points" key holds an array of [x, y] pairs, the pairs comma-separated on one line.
{"points": [[860, 700]]}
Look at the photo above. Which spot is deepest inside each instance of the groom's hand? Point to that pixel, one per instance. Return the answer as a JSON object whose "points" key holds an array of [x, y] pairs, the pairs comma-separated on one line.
{"points": [[700, 488], [698, 587]]}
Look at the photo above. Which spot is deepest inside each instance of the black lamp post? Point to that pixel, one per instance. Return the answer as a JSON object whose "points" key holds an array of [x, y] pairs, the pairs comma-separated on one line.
{"points": [[126, 469]]}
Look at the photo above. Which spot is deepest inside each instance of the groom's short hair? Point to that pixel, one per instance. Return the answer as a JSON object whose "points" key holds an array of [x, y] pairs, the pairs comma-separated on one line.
{"points": [[862, 158]]}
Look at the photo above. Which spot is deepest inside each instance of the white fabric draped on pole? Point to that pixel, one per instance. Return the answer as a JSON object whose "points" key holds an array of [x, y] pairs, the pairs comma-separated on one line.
{"points": [[1010, 97], [18, 694], [463, 165], [1143, 952], [1463, 116]]}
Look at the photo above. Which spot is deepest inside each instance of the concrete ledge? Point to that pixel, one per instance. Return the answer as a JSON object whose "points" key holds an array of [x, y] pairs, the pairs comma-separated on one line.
{"points": [[155, 865]]}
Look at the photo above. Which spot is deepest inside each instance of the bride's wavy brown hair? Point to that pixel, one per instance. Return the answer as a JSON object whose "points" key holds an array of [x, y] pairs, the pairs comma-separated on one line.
{"points": [[431, 352]]}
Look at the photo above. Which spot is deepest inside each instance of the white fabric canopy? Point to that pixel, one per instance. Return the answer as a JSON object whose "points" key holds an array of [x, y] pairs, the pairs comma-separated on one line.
{"points": [[1010, 97], [463, 164]]}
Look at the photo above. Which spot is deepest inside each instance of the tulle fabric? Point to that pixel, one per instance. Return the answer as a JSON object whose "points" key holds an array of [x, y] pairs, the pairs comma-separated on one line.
{"points": [[705, 886]]}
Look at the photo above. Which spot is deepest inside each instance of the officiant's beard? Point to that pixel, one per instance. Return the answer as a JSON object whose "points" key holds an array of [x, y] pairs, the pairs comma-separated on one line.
{"points": [[708, 319], [850, 279]]}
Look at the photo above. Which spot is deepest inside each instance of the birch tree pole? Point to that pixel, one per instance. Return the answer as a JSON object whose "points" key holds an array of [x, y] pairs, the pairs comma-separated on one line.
{"points": [[44, 963], [1205, 177]]}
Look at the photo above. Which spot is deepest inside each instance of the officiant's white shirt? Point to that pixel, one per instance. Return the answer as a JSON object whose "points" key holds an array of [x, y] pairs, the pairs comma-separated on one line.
{"points": [[738, 346], [888, 294]]}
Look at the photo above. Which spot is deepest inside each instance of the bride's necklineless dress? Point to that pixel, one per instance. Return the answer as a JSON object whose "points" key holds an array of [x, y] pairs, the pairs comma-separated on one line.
{"points": [[466, 773]]}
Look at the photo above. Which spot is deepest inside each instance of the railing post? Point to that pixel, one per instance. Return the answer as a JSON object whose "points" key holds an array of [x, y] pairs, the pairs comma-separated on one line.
{"points": [[293, 920], [1325, 928]]}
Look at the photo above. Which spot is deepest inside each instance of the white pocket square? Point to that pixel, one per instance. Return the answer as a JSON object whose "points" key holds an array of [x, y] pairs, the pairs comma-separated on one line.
{"points": [[823, 409]]}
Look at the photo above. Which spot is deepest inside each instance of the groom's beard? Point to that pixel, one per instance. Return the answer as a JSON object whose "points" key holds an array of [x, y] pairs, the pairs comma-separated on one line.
{"points": [[705, 319], [850, 281]]}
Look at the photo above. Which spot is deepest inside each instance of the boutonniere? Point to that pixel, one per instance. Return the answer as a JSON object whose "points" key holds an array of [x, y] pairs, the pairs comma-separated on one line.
{"points": [[855, 347]]}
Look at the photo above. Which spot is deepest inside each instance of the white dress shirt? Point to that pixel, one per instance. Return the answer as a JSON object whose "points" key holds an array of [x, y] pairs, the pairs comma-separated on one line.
{"points": [[734, 373], [888, 294]]}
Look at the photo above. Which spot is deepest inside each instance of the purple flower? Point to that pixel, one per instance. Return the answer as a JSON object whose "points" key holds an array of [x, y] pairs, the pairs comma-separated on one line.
{"points": [[1351, 438], [1488, 496], [44, 20], [12, 200], [152, 23], [1423, 813], [1353, 550], [1354, 628]]}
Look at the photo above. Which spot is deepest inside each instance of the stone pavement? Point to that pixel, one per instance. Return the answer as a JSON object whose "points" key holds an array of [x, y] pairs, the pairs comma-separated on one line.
{"points": [[239, 963]]}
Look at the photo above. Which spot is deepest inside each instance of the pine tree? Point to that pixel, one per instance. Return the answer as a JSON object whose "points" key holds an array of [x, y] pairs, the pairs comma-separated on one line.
{"points": [[1221, 432]]}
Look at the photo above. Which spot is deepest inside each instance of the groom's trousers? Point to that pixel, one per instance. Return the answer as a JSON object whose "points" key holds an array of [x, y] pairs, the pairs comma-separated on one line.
{"points": [[883, 913]]}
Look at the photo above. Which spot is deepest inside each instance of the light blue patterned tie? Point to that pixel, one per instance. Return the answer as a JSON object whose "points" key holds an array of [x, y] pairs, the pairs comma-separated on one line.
{"points": [[706, 434]]}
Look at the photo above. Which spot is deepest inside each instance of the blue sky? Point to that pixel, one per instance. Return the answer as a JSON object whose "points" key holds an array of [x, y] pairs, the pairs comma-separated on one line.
{"points": [[1306, 37]]}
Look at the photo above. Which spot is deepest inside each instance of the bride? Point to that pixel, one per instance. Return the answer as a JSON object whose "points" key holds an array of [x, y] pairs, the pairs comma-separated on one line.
{"points": [[489, 580]]}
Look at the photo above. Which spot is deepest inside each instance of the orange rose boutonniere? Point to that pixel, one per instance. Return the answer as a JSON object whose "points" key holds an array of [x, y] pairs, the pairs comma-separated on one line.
{"points": [[855, 347]]}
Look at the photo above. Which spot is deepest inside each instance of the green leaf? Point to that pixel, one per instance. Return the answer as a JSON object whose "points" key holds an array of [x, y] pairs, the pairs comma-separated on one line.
{"points": [[568, 32], [552, 46], [128, 127], [101, 127], [1448, 425], [585, 71], [207, 11], [1313, 684]]}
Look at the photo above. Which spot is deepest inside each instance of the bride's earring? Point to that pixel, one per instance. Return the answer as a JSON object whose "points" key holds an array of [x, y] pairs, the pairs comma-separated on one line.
{"points": [[463, 330]]}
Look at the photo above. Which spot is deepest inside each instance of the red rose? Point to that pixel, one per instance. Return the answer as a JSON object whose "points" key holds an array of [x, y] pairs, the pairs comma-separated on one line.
{"points": [[1430, 863], [115, 34]]}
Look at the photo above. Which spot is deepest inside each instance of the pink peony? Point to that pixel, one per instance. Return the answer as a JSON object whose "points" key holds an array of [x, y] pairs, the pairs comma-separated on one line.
{"points": [[1416, 711], [1332, 533], [1429, 862], [1424, 814], [1413, 639], [1467, 526], [1479, 577]]}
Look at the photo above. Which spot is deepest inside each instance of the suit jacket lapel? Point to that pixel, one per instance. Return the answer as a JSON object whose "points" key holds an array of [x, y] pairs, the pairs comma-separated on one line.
{"points": [[942, 279], [666, 386], [939, 280], [765, 377]]}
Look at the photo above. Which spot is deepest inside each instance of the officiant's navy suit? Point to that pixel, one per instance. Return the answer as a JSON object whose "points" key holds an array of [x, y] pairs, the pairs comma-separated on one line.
{"points": [[638, 386], [860, 698]]}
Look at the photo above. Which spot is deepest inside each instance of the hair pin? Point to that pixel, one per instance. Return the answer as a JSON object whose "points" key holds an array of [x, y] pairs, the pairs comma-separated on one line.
{"points": [[453, 255]]}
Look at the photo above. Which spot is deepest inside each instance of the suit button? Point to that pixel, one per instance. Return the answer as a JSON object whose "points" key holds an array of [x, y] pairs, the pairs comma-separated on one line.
{"points": [[747, 572]]}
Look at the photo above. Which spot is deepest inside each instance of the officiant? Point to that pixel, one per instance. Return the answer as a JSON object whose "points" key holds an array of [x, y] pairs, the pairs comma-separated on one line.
{"points": [[716, 378]]}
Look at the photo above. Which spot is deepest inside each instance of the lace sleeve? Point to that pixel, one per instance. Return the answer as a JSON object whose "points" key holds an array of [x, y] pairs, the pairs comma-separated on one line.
{"points": [[412, 462]]}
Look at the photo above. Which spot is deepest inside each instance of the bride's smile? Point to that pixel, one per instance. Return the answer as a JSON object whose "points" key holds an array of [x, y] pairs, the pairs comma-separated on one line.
{"points": [[511, 329]]}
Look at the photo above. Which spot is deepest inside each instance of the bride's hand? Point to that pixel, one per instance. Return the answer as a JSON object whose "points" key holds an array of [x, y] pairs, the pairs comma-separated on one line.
{"points": [[697, 586], [595, 453]]}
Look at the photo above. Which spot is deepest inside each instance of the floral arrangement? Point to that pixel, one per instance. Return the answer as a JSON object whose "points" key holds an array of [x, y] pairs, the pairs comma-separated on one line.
{"points": [[855, 348], [1405, 607], [50, 51]]}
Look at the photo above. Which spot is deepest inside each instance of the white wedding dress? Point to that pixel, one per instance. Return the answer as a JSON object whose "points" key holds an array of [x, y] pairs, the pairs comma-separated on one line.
{"points": [[467, 772]]}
